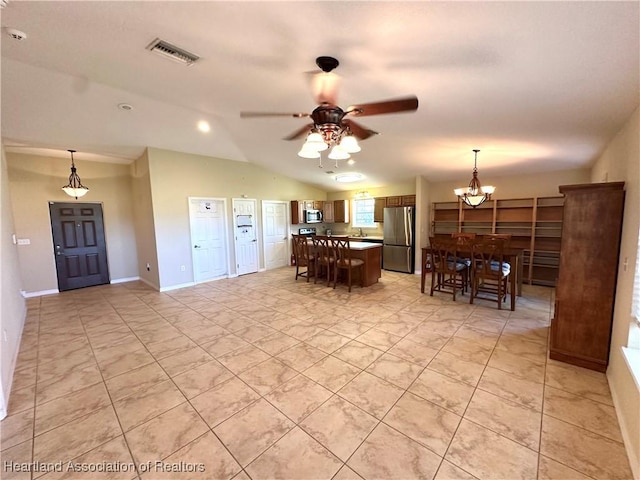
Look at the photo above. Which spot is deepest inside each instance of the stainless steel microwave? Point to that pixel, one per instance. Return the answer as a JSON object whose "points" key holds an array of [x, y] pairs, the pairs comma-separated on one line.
{"points": [[312, 216]]}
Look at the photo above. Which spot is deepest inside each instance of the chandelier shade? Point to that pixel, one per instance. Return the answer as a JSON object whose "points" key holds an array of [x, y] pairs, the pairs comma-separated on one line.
{"points": [[74, 188], [475, 194]]}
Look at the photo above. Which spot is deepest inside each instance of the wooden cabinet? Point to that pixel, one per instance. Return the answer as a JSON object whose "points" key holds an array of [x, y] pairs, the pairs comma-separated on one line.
{"points": [[341, 211], [327, 212], [317, 204], [408, 200], [535, 225], [297, 212], [378, 209], [585, 294], [394, 201]]}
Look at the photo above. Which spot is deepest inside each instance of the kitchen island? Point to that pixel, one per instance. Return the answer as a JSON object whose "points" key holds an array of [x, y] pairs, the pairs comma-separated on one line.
{"points": [[370, 253]]}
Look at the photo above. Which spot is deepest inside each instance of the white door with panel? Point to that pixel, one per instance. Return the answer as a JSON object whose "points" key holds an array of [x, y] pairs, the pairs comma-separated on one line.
{"points": [[245, 226], [275, 221], [208, 217]]}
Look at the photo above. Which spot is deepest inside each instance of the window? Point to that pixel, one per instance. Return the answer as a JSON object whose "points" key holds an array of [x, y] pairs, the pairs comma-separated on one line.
{"points": [[363, 212]]}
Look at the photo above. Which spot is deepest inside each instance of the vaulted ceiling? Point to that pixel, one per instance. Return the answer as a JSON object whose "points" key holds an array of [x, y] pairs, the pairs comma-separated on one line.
{"points": [[536, 86]]}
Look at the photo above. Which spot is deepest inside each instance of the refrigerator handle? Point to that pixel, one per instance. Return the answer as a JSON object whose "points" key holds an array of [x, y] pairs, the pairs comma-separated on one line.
{"points": [[407, 226]]}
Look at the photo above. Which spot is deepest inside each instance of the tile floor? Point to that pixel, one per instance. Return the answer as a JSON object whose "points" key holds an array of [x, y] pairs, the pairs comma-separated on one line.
{"points": [[263, 377]]}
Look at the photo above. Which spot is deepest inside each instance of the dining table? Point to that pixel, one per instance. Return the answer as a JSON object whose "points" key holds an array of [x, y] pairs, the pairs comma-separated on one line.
{"points": [[511, 255]]}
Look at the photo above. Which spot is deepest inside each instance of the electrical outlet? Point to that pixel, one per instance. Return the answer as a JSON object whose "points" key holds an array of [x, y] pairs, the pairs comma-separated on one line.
{"points": [[182, 268], [148, 267]]}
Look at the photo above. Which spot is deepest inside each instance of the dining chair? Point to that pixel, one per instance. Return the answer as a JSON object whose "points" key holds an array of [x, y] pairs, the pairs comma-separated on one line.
{"points": [[446, 272], [490, 271], [324, 257], [465, 243], [303, 257], [343, 261], [500, 236]]}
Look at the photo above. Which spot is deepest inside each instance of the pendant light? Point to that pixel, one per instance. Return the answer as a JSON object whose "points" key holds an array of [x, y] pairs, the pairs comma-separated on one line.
{"points": [[74, 188], [475, 194]]}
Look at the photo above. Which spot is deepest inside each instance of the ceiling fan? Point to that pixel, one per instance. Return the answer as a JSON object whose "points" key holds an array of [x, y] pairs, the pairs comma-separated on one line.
{"points": [[329, 119]]}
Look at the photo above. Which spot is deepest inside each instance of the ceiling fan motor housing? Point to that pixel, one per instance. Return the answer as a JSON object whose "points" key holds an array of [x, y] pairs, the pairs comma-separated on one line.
{"points": [[328, 119]]}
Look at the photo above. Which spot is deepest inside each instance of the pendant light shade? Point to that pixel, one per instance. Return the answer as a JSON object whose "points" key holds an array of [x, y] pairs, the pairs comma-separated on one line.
{"points": [[74, 188], [475, 194]]}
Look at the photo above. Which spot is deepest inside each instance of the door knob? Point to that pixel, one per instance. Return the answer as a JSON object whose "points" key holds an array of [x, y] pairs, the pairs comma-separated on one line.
{"points": [[196, 246]]}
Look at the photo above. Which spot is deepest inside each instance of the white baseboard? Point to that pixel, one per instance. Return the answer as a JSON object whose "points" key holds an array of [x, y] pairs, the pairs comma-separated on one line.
{"points": [[124, 280], [262, 270], [634, 461], [147, 282], [39, 294], [176, 287]]}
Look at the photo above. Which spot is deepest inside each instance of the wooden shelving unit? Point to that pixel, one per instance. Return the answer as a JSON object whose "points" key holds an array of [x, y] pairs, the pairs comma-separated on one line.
{"points": [[535, 224]]}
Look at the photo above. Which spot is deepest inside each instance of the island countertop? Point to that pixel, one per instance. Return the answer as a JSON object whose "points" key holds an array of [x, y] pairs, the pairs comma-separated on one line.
{"points": [[363, 245]]}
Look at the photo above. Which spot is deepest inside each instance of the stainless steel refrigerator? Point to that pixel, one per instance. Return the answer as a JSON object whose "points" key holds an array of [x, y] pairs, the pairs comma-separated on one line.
{"points": [[398, 250]]}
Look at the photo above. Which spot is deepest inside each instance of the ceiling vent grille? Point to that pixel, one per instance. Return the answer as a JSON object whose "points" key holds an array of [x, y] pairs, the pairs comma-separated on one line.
{"points": [[172, 52]]}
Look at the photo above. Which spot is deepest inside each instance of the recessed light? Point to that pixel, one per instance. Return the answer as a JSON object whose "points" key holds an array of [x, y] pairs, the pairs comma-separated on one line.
{"points": [[203, 126], [348, 177], [351, 161], [125, 106]]}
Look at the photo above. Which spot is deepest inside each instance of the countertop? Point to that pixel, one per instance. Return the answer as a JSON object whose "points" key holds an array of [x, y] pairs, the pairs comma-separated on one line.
{"points": [[364, 245]]}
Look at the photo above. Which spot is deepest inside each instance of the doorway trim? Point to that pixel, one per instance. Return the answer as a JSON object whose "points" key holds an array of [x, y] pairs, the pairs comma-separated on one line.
{"points": [[226, 236]]}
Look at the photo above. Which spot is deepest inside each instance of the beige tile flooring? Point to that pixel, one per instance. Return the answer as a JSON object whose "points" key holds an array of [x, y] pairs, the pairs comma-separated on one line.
{"points": [[263, 377]]}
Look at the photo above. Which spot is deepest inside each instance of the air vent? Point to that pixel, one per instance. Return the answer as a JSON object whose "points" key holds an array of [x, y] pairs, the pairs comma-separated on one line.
{"points": [[172, 52]]}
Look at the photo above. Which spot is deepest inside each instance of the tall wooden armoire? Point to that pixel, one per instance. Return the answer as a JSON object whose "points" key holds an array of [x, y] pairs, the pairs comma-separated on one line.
{"points": [[585, 292]]}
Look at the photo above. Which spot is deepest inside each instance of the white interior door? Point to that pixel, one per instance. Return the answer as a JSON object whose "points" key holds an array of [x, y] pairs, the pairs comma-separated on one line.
{"points": [[208, 217], [275, 226], [246, 236]]}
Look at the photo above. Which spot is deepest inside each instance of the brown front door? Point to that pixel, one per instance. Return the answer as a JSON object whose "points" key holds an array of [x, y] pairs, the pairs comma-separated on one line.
{"points": [[79, 245]]}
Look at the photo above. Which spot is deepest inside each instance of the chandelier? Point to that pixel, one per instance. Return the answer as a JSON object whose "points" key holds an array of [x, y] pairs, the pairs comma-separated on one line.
{"points": [[74, 188], [475, 194]]}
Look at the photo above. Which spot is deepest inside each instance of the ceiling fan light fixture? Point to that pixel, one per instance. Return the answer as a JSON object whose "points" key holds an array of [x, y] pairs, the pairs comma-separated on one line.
{"points": [[349, 144], [308, 153], [315, 142], [338, 153]]}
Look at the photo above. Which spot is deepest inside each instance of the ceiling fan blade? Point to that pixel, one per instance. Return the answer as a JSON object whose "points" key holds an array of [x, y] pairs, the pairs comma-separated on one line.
{"points": [[324, 87], [358, 130], [271, 114], [404, 104], [301, 132]]}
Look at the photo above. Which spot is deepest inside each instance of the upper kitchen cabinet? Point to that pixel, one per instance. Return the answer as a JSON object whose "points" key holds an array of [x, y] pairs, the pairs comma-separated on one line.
{"points": [[401, 201], [297, 212], [378, 209], [327, 212], [341, 211]]}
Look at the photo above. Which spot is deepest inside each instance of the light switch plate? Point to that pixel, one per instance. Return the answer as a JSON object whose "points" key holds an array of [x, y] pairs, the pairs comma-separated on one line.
{"points": [[24, 241]]}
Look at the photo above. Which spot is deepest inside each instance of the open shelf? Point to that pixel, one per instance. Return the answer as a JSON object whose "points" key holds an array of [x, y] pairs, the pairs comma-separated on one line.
{"points": [[535, 224]]}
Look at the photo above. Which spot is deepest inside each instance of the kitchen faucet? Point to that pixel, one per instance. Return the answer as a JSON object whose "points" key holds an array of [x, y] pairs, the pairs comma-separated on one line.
{"points": [[361, 233]]}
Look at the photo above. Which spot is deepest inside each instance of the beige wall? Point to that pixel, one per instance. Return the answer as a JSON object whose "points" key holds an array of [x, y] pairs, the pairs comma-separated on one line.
{"points": [[144, 226], [12, 304], [515, 186], [35, 181], [176, 176], [621, 162]]}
